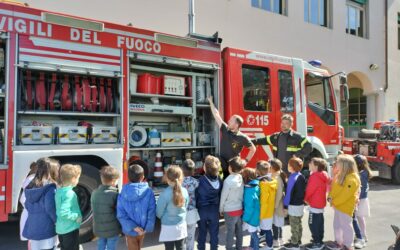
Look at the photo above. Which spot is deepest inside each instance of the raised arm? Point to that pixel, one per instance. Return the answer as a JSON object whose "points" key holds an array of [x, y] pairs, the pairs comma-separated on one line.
{"points": [[215, 112]]}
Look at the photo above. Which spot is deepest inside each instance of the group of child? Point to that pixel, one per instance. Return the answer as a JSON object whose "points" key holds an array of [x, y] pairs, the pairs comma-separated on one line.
{"points": [[256, 200]]}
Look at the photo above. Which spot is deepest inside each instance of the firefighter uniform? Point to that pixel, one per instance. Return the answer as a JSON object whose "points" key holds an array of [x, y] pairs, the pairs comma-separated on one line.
{"points": [[285, 145]]}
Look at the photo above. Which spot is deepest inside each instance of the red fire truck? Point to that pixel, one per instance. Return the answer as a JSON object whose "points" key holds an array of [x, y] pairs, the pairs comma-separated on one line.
{"points": [[97, 93]]}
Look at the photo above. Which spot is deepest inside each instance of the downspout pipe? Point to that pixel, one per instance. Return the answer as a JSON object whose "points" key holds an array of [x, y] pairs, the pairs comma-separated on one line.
{"points": [[386, 47]]}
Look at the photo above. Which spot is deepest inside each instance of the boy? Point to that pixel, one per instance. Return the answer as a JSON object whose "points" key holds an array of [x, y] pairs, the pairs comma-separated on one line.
{"points": [[268, 189], [191, 184], [69, 216], [104, 202], [207, 201], [294, 201], [136, 208], [315, 197], [231, 204]]}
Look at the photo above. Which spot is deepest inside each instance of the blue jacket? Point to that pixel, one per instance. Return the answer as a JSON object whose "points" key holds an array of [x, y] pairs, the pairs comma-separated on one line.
{"points": [[41, 206], [364, 184], [166, 209], [208, 194], [251, 200], [136, 207]]}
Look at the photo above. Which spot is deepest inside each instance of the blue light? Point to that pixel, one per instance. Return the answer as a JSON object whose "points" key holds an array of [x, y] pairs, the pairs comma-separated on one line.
{"points": [[315, 63]]}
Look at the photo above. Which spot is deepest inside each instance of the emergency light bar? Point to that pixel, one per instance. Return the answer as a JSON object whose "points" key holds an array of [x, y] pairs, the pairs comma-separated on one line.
{"points": [[72, 22], [162, 38]]}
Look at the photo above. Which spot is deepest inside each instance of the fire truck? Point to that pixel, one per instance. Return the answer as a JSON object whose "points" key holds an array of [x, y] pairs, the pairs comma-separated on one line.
{"points": [[381, 146], [95, 93]]}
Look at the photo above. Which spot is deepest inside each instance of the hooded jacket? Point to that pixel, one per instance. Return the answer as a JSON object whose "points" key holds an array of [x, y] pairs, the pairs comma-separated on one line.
{"points": [[344, 196], [68, 211], [251, 213], [268, 188], [104, 206], [232, 194], [136, 207], [316, 189], [41, 221], [208, 193]]}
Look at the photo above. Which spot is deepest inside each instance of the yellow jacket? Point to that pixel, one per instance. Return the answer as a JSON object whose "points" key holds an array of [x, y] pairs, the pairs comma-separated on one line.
{"points": [[268, 190], [344, 197]]}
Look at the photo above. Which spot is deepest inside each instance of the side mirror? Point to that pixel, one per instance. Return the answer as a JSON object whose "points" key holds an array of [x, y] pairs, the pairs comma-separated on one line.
{"points": [[344, 93]]}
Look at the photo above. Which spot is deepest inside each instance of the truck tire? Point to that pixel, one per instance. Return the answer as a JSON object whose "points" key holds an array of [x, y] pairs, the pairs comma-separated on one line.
{"points": [[88, 182], [396, 173]]}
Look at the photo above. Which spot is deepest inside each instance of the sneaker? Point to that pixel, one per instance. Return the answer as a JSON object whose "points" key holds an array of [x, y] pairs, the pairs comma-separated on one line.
{"points": [[267, 248], [291, 246], [359, 244], [276, 244], [315, 246], [332, 245], [280, 241]]}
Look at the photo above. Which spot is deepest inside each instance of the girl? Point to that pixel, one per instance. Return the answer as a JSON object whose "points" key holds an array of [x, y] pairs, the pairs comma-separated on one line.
{"points": [[24, 214], [343, 197], [40, 203], [171, 209], [251, 202], [362, 210], [279, 214]]}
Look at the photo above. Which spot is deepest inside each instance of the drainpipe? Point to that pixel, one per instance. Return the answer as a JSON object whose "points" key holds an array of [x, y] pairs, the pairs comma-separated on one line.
{"points": [[386, 48]]}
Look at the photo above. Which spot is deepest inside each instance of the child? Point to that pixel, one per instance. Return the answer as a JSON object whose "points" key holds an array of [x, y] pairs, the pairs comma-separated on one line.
{"points": [[136, 208], [362, 210], [208, 195], [279, 213], [268, 188], [192, 217], [171, 209], [251, 215], [69, 216], [316, 198], [104, 201], [40, 224], [24, 214], [294, 201], [343, 198], [231, 204]]}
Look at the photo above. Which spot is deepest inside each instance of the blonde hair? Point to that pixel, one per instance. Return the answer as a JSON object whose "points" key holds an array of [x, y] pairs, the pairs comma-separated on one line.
{"points": [[263, 167], [212, 165], [346, 165], [68, 172], [174, 176]]}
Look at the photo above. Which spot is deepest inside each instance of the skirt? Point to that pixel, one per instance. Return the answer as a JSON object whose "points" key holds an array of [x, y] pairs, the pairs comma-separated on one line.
{"points": [[173, 232]]}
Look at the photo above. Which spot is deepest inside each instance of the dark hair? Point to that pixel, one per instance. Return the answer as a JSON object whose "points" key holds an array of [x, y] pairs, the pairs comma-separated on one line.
{"points": [[320, 163], [188, 167], [212, 165], [33, 168], [135, 173], [42, 174], [362, 164], [276, 165], [237, 164], [248, 174], [239, 120], [109, 173], [263, 167], [296, 163]]}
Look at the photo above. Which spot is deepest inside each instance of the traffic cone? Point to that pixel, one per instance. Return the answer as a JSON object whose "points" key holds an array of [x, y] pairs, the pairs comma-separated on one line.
{"points": [[158, 168]]}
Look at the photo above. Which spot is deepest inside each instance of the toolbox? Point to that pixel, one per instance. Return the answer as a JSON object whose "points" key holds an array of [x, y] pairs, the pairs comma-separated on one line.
{"points": [[176, 139], [104, 135], [32, 135], [72, 134]]}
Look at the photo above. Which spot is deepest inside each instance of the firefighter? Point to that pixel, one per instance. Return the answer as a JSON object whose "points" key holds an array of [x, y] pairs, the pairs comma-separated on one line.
{"points": [[232, 140], [286, 143]]}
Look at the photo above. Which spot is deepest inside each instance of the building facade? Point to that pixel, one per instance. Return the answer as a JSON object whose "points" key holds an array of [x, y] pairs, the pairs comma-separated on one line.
{"points": [[359, 37]]}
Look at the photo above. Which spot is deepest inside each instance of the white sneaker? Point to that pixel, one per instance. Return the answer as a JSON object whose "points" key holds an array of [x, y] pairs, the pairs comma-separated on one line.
{"points": [[281, 241], [359, 244], [267, 248], [276, 244]]}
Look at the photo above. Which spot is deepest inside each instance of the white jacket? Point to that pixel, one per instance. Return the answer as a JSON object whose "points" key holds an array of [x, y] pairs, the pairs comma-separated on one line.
{"points": [[232, 194]]}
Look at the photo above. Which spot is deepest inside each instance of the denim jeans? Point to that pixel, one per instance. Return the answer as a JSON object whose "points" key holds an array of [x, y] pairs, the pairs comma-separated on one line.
{"points": [[254, 241], [107, 243], [268, 237]]}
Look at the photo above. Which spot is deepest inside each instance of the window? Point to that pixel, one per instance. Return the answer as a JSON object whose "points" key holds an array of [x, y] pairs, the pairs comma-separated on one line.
{"points": [[356, 17], [354, 118], [276, 6], [256, 88], [319, 92], [317, 12], [286, 91]]}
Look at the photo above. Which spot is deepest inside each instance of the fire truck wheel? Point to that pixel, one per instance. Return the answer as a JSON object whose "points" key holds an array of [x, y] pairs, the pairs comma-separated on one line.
{"points": [[88, 182], [396, 174]]}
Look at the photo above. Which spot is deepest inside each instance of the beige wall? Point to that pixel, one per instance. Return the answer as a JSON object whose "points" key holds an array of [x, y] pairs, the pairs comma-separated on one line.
{"points": [[243, 26]]}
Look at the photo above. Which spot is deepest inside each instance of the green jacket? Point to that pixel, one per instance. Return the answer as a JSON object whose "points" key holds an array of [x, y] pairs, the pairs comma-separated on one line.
{"points": [[104, 203], [67, 209]]}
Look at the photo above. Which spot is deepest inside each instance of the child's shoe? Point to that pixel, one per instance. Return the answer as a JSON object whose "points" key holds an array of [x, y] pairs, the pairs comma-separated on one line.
{"points": [[359, 244], [332, 245], [276, 243], [315, 246], [291, 246]]}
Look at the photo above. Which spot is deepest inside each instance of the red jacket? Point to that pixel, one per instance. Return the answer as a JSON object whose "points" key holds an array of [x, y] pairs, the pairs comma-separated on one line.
{"points": [[316, 189]]}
